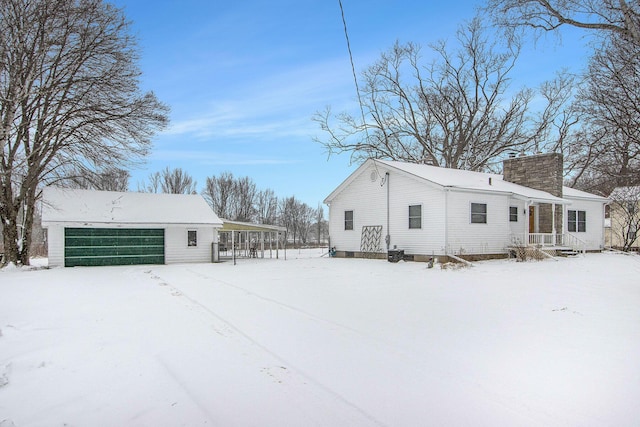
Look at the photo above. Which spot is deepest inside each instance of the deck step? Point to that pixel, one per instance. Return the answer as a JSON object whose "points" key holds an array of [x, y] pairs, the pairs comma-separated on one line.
{"points": [[566, 252]]}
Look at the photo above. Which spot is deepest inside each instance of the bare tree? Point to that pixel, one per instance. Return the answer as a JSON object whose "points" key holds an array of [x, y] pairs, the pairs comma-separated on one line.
{"points": [[321, 225], [610, 102], [69, 96], [452, 112], [169, 181], [266, 207], [619, 17], [287, 213], [244, 199], [297, 217], [218, 192], [153, 185], [625, 216], [177, 181], [109, 179], [306, 215]]}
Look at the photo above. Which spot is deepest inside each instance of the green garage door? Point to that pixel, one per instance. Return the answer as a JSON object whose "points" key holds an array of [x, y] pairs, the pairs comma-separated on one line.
{"points": [[113, 246]]}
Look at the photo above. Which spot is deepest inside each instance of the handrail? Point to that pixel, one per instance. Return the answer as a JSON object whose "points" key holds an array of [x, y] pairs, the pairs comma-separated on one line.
{"points": [[575, 243], [549, 240]]}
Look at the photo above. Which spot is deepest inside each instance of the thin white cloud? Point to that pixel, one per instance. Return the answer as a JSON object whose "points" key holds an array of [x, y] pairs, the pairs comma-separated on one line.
{"points": [[216, 158], [277, 106]]}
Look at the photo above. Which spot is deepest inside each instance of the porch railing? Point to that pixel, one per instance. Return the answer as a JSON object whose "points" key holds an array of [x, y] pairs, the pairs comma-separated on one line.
{"points": [[549, 240]]}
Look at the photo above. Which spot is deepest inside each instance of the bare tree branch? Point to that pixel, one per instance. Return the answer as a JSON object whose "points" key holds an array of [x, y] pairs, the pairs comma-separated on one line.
{"points": [[453, 112], [69, 99]]}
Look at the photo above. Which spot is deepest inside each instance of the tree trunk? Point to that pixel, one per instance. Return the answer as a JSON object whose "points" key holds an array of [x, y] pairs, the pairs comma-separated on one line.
{"points": [[10, 237], [27, 226]]}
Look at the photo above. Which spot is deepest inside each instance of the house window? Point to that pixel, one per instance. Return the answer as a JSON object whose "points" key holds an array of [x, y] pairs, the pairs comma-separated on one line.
{"points": [[577, 221], [415, 216], [192, 238], [478, 213], [348, 220], [513, 213]]}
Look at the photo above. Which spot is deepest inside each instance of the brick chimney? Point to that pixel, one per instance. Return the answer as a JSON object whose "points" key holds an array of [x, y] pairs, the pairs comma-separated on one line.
{"points": [[540, 171]]}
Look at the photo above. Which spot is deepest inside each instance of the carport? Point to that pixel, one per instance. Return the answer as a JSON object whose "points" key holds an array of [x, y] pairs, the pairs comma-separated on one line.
{"points": [[246, 240]]}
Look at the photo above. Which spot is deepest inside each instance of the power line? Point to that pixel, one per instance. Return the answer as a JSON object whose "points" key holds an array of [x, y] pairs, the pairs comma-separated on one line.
{"points": [[355, 81]]}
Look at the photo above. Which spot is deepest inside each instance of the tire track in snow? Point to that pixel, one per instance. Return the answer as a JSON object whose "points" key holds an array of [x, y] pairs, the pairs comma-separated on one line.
{"points": [[463, 376], [174, 376], [337, 396]]}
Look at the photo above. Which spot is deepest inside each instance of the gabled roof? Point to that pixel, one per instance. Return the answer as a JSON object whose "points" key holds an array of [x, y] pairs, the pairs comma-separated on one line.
{"points": [[572, 193], [111, 207], [456, 180]]}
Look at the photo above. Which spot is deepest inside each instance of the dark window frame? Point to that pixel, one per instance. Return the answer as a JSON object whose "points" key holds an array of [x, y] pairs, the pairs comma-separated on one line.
{"points": [[576, 221], [348, 220], [478, 216], [513, 214], [192, 238]]}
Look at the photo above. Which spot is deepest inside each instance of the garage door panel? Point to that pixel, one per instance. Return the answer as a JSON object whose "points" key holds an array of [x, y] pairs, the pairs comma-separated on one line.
{"points": [[82, 251], [105, 261], [105, 246]]}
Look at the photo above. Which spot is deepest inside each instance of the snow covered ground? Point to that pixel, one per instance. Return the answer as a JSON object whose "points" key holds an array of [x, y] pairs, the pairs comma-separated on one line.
{"points": [[313, 341]]}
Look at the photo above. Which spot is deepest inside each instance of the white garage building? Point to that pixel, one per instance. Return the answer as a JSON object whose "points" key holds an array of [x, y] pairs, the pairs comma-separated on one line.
{"points": [[94, 228]]}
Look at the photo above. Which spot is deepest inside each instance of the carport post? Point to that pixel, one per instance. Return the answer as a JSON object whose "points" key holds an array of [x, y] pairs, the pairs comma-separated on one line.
{"points": [[262, 244], [233, 246]]}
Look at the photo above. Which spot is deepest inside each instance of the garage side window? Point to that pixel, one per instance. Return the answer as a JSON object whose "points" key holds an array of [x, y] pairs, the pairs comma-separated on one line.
{"points": [[192, 238]]}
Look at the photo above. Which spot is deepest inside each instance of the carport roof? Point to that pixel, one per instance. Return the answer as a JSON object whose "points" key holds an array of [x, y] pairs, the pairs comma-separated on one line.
{"points": [[110, 207], [246, 226]]}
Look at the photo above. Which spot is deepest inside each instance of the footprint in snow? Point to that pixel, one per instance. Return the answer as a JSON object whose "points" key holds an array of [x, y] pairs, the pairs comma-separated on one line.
{"points": [[4, 375]]}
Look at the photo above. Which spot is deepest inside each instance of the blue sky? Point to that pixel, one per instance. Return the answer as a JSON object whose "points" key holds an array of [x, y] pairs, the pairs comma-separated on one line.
{"points": [[243, 79]]}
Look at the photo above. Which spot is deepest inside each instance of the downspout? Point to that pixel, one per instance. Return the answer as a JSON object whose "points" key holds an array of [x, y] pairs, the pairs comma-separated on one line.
{"points": [[446, 221], [388, 236]]}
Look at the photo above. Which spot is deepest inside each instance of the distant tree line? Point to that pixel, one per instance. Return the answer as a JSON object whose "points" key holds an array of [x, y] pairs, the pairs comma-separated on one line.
{"points": [[232, 198]]}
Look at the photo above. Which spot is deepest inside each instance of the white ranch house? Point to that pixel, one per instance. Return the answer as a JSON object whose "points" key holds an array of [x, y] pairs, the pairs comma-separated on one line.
{"points": [[429, 211], [89, 228]]}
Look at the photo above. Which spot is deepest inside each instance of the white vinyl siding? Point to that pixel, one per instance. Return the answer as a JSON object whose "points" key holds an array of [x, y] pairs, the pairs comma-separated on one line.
{"points": [[594, 212], [177, 249], [520, 226], [465, 237], [368, 200], [55, 243]]}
